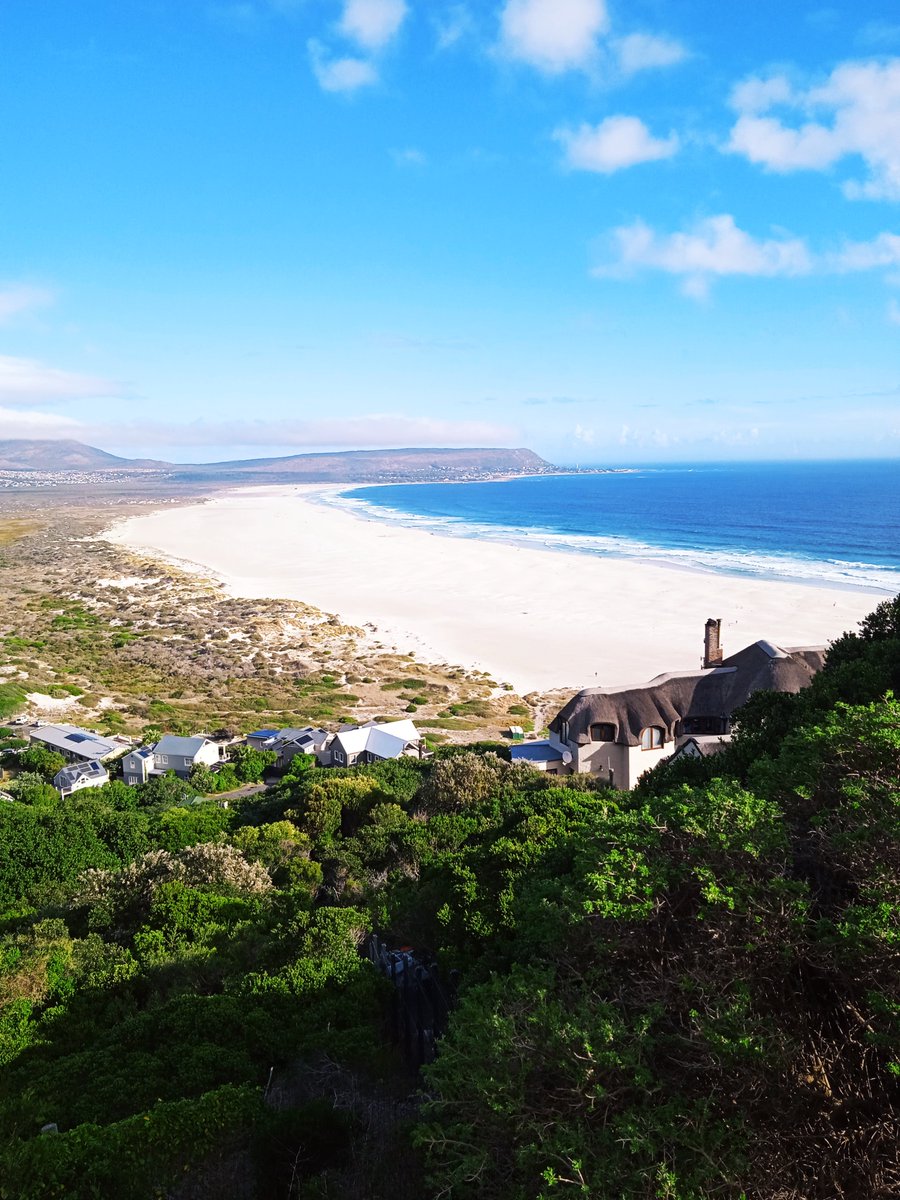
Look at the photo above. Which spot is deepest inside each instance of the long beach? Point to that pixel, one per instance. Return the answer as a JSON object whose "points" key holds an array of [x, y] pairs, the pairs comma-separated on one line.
{"points": [[533, 617]]}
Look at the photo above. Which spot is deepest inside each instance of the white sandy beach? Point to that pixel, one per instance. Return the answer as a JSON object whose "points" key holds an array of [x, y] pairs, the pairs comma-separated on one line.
{"points": [[537, 618]]}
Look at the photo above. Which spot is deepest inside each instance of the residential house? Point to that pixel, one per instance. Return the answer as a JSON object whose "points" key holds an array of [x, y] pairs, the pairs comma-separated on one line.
{"points": [[702, 746], [359, 744], [543, 756], [79, 776], [78, 745], [261, 739], [620, 733], [171, 753], [288, 743]]}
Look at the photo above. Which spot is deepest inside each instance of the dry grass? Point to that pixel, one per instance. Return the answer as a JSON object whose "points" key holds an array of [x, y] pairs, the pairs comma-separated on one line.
{"points": [[14, 528], [136, 643]]}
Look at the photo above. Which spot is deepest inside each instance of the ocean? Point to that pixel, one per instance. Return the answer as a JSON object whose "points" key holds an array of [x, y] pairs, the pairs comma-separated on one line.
{"points": [[830, 523]]}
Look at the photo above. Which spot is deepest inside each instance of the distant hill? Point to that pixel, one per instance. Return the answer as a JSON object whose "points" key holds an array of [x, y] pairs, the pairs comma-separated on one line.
{"points": [[338, 467], [46, 455], [351, 465]]}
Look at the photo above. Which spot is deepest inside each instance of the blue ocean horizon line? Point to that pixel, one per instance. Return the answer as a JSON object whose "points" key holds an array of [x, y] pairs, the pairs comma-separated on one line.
{"points": [[724, 464], [824, 523]]}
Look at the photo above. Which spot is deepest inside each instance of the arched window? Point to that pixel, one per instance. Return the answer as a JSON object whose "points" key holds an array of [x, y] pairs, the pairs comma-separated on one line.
{"points": [[564, 731], [652, 738], [602, 731]]}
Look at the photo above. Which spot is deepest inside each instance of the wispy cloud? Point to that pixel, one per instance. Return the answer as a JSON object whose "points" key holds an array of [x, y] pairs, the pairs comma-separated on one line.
{"points": [[381, 430], [646, 51], [855, 113], [24, 381], [614, 144], [19, 298], [17, 424], [715, 247], [372, 23], [552, 35], [879, 34], [410, 156], [453, 25], [881, 251], [711, 248], [340, 74]]}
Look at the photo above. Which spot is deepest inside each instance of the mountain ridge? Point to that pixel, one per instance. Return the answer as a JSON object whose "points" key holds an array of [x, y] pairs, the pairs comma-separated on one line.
{"points": [[326, 466]]}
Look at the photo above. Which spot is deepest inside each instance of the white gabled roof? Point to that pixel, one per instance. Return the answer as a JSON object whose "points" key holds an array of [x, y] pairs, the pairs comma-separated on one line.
{"points": [[387, 741]]}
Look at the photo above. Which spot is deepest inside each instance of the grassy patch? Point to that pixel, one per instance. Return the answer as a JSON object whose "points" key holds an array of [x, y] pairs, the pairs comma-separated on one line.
{"points": [[12, 529], [12, 697], [455, 723]]}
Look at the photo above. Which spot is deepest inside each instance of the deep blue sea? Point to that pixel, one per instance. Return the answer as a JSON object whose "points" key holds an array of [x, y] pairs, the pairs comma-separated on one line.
{"points": [[835, 523]]}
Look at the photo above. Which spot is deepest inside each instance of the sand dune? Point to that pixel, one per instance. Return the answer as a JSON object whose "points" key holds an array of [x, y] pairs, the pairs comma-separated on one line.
{"points": [[537, 618]]}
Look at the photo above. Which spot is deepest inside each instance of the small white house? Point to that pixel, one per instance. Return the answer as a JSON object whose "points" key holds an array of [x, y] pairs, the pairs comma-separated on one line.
{"points": [[370, 743], [80, 776], [171, 753]]}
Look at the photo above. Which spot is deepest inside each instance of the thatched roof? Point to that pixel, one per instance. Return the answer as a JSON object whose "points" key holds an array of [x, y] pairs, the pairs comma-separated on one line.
{"points": [[669, 699]]}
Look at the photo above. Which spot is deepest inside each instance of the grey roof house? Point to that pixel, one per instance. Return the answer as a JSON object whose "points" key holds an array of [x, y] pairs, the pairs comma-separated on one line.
{"points": [[171, 753], [620, 733], [288, 743], [80, 776], [78, 745]]}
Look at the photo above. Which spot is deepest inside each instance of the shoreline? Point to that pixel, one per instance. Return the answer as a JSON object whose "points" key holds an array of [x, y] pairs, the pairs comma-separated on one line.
{"points": [[555, 542], [526, 614]]}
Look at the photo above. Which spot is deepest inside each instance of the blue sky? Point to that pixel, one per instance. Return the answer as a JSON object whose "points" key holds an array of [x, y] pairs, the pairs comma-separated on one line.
{"points": [[613, 232]]}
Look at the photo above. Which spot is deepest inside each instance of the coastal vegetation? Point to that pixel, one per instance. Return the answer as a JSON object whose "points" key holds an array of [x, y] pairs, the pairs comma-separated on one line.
{"points": [[686, 991], [94, 635]]}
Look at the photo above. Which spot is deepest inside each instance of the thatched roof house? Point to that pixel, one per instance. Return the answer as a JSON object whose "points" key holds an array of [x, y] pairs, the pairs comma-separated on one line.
{"points": [[621, 732]]}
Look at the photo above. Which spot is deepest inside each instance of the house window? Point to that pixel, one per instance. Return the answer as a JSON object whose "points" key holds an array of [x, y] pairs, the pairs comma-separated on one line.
{"points": [[702, 725], [603, 732], [338, 757], [652, 738], [564, 731], [163, 758]]}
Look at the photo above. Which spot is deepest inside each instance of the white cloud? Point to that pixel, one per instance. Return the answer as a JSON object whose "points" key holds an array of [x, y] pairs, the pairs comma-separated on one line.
{"points": [[714, 247], [856, 112], [717, 247], [755, 95], [16, 298], [25, 381], [644, 51], [882, 251], [372, 23], [340, 74], [383, 430], [615, 143], [552, 35], [36, 425]]}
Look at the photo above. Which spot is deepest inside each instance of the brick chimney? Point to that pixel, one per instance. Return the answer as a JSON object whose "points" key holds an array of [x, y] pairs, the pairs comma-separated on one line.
{"points": [[712, 646]]}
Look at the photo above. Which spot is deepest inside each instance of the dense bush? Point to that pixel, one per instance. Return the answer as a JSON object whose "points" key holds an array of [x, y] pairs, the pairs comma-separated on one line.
{"points": [[684, 992]]}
